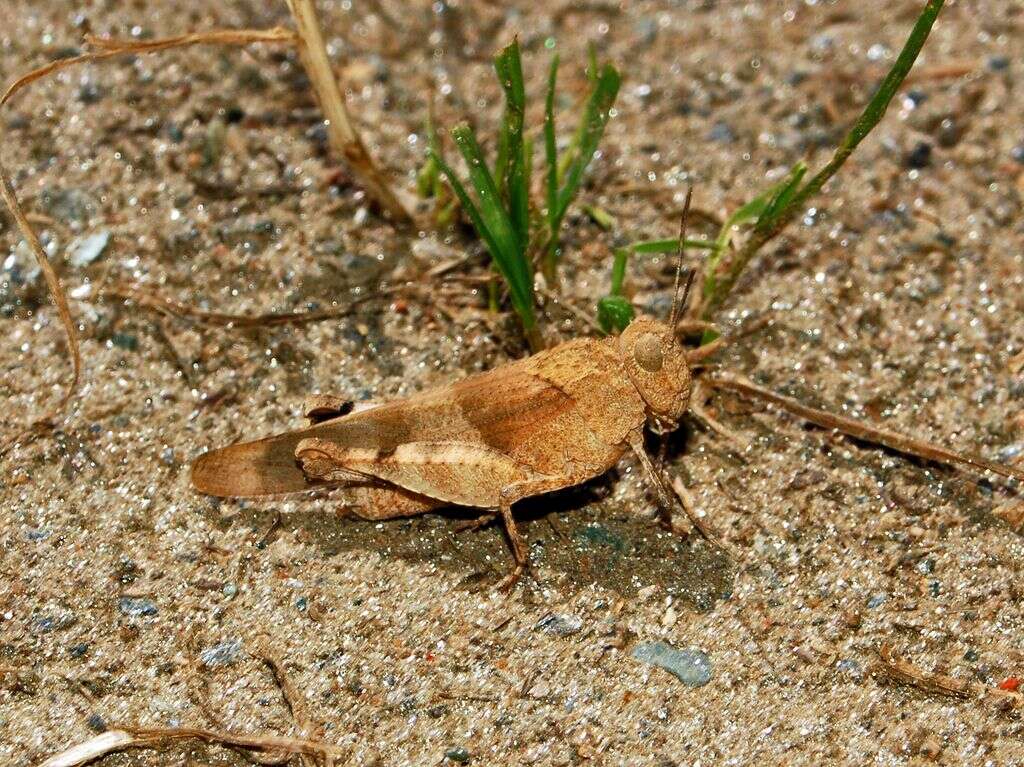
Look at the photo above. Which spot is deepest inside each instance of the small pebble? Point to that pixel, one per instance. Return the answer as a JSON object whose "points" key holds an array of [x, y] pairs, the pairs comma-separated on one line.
{"points": [[79, 650], [84, 250], [919, 157], [223, 654], [876, 601], [559, 624], [457, 754], [96, 723], [851, 667], [690, 665], [136, 606], [125, 341], [997, 63], [722, 133]]}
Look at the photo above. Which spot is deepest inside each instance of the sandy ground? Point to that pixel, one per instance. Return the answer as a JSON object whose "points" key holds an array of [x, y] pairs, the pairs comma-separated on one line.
{"points": [[127, 598]]}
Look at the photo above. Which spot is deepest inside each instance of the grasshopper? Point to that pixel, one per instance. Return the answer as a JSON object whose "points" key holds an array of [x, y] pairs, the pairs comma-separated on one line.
{"points": [[544, 423]]}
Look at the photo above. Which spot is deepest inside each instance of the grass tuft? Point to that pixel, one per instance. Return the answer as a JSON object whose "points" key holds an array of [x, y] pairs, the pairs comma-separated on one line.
{"points": [[516, 233]]}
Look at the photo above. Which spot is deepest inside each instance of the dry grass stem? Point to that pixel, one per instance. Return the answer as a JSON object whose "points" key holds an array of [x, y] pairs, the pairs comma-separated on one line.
{"points": [[181, 310], [689, 505], [139, 737], [106, 48], [54, 286], [340, 129], [294, 699]]}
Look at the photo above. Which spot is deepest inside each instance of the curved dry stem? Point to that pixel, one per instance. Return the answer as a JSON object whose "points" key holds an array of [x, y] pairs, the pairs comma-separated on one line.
{"points": [[109, 47], [52, 283], [124, 738], [175, 308]]}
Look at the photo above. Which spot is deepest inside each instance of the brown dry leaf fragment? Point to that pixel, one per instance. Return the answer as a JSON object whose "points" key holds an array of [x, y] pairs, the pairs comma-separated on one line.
{"points": [[904, 671], [1012, 514], [1016, 364]]}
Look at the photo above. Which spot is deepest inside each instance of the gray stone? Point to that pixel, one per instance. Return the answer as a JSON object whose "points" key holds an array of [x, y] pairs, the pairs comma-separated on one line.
{"points": [[690, 665]]}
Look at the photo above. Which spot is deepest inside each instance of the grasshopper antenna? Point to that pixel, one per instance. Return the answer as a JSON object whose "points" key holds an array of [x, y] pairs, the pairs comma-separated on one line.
{"points": [[859, 430], [677, 304]]}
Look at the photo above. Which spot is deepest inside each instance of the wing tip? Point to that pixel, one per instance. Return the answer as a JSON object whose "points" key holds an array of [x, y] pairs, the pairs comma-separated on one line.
{"points": [[251, 469]]}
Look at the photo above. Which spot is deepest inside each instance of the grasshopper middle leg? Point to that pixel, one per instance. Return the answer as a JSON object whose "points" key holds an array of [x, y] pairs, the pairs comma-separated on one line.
{"points": [[520, 551]]}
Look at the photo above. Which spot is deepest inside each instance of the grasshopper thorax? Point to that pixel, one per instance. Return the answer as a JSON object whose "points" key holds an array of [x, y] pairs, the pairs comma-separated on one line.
{"points": [[657, 367]]}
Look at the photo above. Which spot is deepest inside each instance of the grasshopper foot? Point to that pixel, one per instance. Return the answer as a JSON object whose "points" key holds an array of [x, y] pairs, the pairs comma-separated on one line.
{"points": [[506, 584], [475, 524]]}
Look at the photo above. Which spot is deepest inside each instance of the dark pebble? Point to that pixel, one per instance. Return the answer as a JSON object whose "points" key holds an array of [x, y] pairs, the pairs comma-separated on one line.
{"points": [[457, 754], [1017, 153], [721, 132], [301, 604], [90, 93], [918, 97], [79, 650], [96, 723], [949, 133], [233, 115], [125, 341], [919, 157], [971, 656], [998, 63]]}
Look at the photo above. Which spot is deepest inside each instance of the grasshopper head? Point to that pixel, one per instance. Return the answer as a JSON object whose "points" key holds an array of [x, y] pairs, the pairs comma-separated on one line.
{"points": [[657, 367]]}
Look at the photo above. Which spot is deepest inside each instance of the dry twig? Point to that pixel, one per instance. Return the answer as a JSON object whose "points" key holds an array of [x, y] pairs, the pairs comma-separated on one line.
{"points": [[904, 671], [106, 48], [340, 129], [124, 738]]}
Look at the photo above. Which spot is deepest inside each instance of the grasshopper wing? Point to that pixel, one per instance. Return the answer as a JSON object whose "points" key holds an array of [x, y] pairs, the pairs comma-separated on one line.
{"points": [[263, 467], [504, 426]]}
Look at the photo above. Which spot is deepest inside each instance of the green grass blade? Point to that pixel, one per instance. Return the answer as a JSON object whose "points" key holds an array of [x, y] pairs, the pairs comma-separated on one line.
{"points": [[595, 118], [670, 245], [867, 121], [508, 256], [785, 191], [619, 271], [601, 217], [757, 210], [550, 147], [510, 171], [466, 202], [592, 68]]}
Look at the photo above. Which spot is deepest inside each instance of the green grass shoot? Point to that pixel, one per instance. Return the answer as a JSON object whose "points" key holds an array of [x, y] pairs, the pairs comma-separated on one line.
{"points": [[719, 282], [516, 233]]}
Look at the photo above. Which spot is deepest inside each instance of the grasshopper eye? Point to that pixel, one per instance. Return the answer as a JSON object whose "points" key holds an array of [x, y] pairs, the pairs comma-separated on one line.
{"points": [[648, 353]]}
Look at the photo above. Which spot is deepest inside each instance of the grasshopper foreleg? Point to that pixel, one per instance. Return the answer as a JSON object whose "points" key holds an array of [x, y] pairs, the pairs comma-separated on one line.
{"points": [[665, 503]]}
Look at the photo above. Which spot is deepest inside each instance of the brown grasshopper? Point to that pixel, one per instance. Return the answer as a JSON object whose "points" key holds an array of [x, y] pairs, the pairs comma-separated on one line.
{"points": [[544, 423]]}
